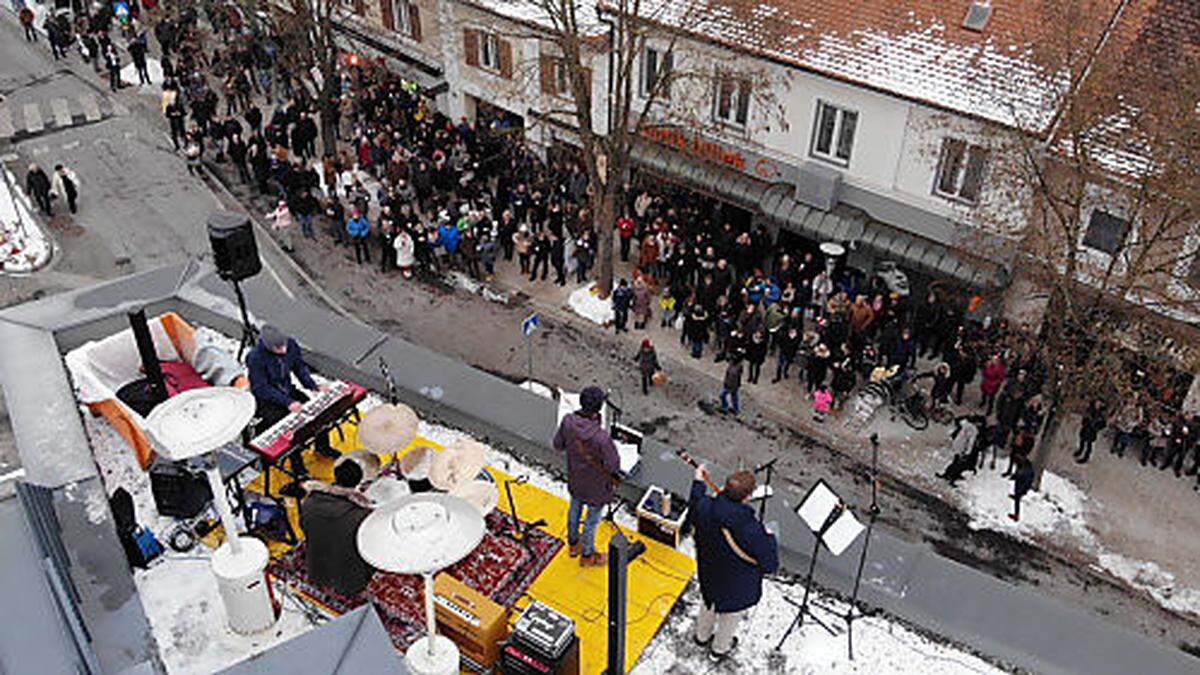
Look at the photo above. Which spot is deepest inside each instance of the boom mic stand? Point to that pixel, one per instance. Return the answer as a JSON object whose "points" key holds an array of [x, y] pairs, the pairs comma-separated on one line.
{"points": [[519, 532], [769, 469], [862, 559]]}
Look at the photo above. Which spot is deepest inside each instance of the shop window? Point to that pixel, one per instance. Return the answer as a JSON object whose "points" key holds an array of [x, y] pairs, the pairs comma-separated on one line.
{"points": [[656, 72], [960, 170], [1105, 232], [408, 18], [732, 100], [833, 135]]}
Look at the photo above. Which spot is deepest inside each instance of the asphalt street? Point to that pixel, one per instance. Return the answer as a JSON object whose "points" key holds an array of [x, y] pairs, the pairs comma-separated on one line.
{"points": [[140, 209]]}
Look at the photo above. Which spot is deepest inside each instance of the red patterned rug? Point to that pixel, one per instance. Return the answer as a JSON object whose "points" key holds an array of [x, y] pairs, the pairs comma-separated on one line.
{"points": [[499, 568]]}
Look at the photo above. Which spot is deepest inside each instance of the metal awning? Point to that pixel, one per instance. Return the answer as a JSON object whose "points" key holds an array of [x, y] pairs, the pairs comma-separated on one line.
{"points": [[843, 223], [351, 37]]}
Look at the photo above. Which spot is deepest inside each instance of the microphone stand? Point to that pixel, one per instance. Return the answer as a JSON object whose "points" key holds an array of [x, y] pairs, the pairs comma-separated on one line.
{"points": [[862, 559], [769, 468]]}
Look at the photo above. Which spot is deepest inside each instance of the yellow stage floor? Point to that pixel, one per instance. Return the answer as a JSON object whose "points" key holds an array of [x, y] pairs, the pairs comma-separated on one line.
{"points": [[656, 579]]}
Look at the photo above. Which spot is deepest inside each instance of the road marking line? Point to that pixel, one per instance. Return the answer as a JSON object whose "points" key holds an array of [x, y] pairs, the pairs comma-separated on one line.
{"points": [[6, 123], [62, 113], [33, 118], [91, 108], [12, 475]]}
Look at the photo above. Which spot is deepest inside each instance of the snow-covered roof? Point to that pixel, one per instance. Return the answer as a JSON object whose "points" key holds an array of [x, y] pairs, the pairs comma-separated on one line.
{"points": [[916, 49], [533, 13]]}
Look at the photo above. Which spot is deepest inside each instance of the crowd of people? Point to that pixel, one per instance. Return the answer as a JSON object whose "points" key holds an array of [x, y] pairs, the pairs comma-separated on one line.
{"points": [[469, 196]]}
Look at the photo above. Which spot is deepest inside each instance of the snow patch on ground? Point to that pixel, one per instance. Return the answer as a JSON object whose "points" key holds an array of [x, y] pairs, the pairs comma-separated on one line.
{"points": [[153, 68], [538, 388], [24, 246], [880, 645], [470, 285], [1059, 509], [585, 302], [1154, 580]]}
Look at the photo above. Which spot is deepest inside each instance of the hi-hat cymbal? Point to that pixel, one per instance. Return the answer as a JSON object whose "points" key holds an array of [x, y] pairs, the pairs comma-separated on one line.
{"points": [[387, 428], [414, 465], [457, 464], [481, 494]]}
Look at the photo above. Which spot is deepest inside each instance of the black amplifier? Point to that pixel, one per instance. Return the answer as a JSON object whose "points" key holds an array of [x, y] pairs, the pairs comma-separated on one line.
{"points": [[178, 491], [543, 632]]}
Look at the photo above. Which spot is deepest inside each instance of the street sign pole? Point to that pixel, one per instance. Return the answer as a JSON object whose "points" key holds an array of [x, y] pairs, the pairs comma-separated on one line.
{"points": [[529, 325]]}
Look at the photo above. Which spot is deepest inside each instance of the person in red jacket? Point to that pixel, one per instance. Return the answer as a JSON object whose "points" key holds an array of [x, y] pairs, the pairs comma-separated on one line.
{"points": [[993, 378], [625, 227]]}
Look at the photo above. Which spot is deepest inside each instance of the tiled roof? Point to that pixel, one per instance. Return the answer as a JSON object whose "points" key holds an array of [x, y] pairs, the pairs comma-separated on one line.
{"points": [[1155, 48], [915, 49]]}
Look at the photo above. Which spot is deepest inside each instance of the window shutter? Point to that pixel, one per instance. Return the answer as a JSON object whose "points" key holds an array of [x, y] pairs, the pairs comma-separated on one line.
{"points": [[471, 46], [387, 14], [359, 7], [414, 18], [546, 74], [587, 82], [506, 59], [666, 70]]}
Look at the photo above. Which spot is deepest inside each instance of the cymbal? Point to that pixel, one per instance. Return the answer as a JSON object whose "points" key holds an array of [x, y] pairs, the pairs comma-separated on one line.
{"points": [[481, 494], [387, 428], [420, 533], [457, 464]]}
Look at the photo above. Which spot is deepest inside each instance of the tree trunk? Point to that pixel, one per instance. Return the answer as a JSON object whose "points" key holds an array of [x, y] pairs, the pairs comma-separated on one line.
{"points": [[1045, 444], [604, 219]]}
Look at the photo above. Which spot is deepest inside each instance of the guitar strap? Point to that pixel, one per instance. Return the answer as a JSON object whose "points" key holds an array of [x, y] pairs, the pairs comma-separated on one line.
{"points": [[595, 462], [737, 550]]}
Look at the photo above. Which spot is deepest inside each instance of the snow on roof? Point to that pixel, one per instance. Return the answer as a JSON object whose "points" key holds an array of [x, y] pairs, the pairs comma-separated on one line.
{"points": [[533, 12], [915, 49]]}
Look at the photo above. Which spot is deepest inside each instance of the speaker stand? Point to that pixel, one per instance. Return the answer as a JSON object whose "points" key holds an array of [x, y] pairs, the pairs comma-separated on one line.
{"points": [[249, 332]]}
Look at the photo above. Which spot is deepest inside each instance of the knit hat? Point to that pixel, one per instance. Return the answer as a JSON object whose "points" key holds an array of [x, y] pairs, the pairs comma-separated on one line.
{"points": [[591, 399], [273, 338]]}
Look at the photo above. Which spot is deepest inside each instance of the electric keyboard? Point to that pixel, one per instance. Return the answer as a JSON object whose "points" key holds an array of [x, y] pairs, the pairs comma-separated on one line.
{"points": [[319, 415]]}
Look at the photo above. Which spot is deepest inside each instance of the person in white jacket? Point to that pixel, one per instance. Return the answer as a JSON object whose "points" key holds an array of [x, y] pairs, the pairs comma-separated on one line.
{"points": [[282, 222], [404, 252], [65, 185]]}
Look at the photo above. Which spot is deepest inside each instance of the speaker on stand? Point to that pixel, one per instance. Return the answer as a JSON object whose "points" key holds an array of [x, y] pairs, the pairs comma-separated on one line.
{"points": [[235, 254]]}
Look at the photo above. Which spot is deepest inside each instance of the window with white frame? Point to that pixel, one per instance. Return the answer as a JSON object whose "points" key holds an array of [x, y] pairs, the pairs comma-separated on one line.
{"points": [[960, 170], [656, 68], [732, 99], [489, 51], [1105, 232], [833, 133], [402, 10]]}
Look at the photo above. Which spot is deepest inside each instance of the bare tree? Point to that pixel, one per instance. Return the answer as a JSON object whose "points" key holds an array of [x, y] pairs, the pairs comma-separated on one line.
{"points": [[1110, 188], [672, 90]]}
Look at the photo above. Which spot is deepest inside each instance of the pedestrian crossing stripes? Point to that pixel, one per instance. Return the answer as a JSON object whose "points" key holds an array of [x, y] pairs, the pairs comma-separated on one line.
{"points": [[22, 120]]}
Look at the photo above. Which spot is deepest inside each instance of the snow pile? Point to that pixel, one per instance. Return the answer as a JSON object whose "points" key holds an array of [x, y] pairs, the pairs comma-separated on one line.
{"points": [[154, 68], [880, 645], [1154, 580], [1058, 509], [23, 245], [460, 280], [538, 388], [586, 302]]}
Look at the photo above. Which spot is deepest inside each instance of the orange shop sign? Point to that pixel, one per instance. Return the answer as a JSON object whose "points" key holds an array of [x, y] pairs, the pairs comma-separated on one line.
{"points": [[693, 144]]}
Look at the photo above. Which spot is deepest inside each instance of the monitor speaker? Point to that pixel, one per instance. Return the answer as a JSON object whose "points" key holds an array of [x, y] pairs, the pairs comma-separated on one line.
{"points": [[235, 252]]}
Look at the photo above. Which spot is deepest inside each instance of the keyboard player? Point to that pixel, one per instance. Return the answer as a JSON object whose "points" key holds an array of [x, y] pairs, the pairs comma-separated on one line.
{"points": [[271, 364]]}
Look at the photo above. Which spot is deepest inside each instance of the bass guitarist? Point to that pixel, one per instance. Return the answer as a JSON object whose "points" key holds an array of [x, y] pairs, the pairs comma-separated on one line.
{"points": [[733, 552], [592, 463]]}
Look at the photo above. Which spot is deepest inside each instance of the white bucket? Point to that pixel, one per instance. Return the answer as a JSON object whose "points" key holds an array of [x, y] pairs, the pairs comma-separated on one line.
{"points": [[242, 582]]}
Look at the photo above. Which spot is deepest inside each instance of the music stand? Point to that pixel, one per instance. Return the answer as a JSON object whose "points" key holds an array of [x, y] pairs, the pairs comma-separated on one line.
{"points": [[767, 492], [833, 525]]}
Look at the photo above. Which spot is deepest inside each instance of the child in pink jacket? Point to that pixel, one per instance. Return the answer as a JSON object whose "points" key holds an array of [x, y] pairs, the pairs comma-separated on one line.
{"points": [[822, 402]]}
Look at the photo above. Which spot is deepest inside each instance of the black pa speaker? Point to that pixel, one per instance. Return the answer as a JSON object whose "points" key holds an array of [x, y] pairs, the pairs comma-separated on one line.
{"points": [[178, 492], [235, 252]]}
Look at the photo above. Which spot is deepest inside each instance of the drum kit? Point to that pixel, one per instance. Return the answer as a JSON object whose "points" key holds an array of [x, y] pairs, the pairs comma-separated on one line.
{"points": [[433, 524], [459, 470]]}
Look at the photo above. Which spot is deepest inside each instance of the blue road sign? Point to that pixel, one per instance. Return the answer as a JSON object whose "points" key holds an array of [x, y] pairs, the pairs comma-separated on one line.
{"points": [[530, 324]]}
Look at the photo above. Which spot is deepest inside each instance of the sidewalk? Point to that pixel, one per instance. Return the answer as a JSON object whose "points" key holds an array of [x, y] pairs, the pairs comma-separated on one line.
{"points": [[1117, 518]]}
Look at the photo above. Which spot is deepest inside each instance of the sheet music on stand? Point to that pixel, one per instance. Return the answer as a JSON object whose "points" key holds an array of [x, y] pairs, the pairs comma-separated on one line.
{"points": [[816, 509]]}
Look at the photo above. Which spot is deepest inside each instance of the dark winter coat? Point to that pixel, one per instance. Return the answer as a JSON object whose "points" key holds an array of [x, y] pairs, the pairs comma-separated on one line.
{"points": [[592, 458], [270, 373], [330, 518], [727, 582], [733, 376], [648, 361]]}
